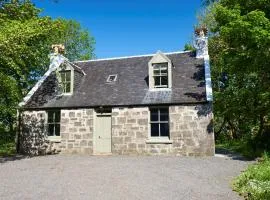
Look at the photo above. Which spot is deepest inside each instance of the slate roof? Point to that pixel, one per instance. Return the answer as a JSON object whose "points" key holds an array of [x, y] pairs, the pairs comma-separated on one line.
{"points": [[131, 87]]}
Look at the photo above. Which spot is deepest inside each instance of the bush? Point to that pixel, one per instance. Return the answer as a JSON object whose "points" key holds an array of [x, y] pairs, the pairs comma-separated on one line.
{"points": [[7, 143], [254, 183]]}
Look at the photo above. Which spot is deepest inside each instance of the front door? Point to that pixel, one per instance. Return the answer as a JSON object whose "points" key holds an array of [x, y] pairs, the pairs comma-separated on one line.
{"points": [[102, 134]]}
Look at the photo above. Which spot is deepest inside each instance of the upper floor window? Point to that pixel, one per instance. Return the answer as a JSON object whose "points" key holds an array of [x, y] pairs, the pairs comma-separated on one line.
{"points": [[66, 81], [160, 72], [54, 123], [160, 75]]}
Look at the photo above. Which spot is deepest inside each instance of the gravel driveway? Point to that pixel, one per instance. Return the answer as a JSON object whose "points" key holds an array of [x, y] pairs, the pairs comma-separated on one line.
{"points": [[119, 177]]}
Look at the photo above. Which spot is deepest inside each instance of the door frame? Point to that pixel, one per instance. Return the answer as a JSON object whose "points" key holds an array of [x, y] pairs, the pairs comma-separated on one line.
{"points": [[96, 114]]}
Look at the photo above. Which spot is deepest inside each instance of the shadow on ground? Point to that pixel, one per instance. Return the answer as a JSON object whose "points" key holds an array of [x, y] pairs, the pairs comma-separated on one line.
{"points": [[4, 159], [222, 152]]}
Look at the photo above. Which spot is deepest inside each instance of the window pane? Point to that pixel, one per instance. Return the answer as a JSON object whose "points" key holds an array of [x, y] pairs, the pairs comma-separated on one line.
{"points": [[163, 65], [111, 78], [156, 67], [157, 80], [67, 86], [154, 115], [164, 129], [57, 116], [160, 65], [164, 71], [62, 76], [51, 130], [57, 129], [155, 130], [156, 72], [68, 75], [164, 114], [50, 117], [164, 80]]}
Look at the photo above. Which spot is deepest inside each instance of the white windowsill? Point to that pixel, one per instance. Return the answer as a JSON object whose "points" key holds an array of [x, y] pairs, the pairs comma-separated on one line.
{"points": [[64, 94], [158, 141], [160, 89], [67, 94], [54, 138]]}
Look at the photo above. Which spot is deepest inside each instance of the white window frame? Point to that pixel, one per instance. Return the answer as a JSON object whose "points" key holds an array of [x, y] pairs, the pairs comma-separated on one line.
{"points": [[64, 82], [53, 138], [160, 75], [159, 58], [67, 67], [158, 139]]}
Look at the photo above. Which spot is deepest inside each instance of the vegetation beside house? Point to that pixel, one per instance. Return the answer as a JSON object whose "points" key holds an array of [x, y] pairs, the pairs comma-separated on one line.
{"points": [[24, 56], [7, 144], [254, 183], [239, 51]]}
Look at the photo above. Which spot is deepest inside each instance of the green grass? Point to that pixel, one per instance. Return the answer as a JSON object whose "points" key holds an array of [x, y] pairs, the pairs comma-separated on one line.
{"points": [[7, 149], [254, 183], [242, 147]]}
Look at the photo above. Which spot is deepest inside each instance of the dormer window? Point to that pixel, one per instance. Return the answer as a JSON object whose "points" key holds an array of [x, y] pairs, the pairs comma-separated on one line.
{"points": [[160, 72], [160, 75], [66, 81], [65, 76]]}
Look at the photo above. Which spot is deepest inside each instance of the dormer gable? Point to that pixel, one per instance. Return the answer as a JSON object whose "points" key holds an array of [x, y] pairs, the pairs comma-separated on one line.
{"points": [[160, 72]]}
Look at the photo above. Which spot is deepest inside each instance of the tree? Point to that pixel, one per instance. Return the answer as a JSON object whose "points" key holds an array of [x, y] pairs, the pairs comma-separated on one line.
{"points": [[189, 47], [239, 50], [25, 41]]}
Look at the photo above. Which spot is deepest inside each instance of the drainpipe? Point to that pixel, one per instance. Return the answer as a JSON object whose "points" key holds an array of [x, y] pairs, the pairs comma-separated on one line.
{"points": [[18, 131]]}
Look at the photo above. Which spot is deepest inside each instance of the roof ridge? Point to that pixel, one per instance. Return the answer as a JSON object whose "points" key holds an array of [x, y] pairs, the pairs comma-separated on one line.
{"points": [[126, 57]]}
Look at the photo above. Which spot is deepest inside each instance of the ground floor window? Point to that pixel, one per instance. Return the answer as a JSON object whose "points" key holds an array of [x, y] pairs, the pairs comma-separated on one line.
{"points": [[54, 123], [159, 122]]}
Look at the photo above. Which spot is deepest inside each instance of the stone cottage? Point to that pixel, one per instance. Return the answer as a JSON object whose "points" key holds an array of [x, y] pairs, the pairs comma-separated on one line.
{"points": [[147, 104]]}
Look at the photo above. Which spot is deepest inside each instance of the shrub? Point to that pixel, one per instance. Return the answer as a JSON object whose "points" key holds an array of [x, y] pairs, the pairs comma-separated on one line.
{"points": [[254, 183]]}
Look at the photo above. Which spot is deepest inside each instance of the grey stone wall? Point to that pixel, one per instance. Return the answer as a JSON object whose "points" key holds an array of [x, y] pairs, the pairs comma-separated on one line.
{"points": [[190, 131], [77, 131], [33, 138], [129, 130]]}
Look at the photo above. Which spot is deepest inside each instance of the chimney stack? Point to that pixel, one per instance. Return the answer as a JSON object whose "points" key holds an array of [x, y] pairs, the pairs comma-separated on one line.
{"points": [[56, 57], [58, 48], [201, 42]]}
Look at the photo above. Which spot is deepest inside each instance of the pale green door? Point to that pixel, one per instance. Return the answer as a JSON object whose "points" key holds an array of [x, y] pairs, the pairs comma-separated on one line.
{"points": [[102, 133]]}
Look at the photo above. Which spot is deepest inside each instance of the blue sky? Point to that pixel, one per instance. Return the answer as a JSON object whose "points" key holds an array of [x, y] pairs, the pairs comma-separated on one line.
{"points": [[130, 27]]}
